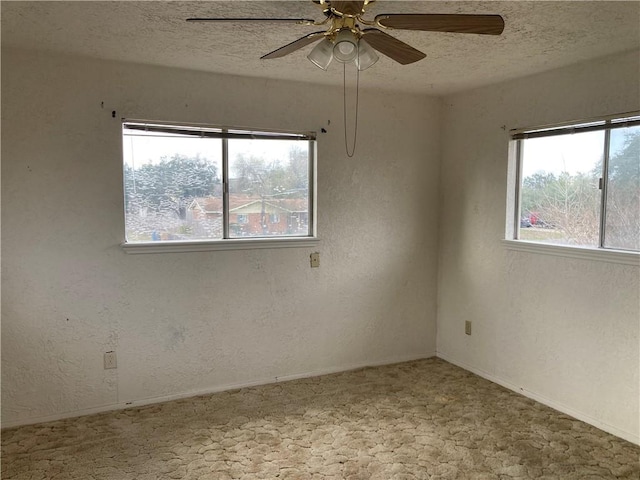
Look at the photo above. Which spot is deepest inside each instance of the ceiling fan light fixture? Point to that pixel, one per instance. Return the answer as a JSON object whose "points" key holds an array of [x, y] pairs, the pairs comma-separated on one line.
{"points": [[322, 54], [345, 48], [367, 56]]}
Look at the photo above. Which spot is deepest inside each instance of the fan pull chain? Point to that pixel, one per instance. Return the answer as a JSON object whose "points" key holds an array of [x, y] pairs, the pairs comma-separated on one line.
{"points": [[344, 104]]}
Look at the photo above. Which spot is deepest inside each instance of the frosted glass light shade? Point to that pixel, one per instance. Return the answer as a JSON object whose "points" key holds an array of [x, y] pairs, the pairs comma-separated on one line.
{"points": [[367, 56], [345, 48], [322, 54]]}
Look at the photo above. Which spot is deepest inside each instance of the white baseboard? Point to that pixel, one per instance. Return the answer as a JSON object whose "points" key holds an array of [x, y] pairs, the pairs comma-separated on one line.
{"points": [[378, 363], [631, 437], [211, 390]]}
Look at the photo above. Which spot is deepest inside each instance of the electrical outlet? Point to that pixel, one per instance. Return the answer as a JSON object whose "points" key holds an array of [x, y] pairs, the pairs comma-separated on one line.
{"points": [[467, 327], [315, 259], [110, 360]]}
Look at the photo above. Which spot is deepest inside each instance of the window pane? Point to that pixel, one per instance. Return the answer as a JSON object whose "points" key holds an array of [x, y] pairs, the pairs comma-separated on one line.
{"points": [[622, 229], [268, 188], [560, 199], [172, 187]]}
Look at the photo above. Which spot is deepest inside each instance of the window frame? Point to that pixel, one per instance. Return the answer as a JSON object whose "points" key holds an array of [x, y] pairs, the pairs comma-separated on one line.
{"points": [[514, 193], [225, 133]]}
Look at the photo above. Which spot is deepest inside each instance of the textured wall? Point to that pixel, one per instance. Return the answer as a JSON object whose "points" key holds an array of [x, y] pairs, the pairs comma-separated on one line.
{"points": [[193, 322], [564, 330]]}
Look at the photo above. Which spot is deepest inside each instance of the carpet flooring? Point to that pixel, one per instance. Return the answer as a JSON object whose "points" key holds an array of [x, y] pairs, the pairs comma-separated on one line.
{"points": [[425, 419]]}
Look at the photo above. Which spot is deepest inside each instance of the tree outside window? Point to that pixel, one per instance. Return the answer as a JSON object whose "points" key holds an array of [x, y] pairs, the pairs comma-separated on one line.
{"points": [[582, 188]]}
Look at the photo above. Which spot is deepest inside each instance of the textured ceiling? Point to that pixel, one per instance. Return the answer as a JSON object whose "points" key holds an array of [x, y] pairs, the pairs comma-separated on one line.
{"points": [[538, 36]]}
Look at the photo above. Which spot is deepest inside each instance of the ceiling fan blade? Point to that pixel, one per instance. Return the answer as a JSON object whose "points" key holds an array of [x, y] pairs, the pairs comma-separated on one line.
{"points": [[456, 23], [392, 47], [301, 21], [293, 46]]}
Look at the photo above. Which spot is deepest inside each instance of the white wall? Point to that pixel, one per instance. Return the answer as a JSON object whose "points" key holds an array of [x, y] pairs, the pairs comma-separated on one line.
{"points": [[563, 330], [193, 322]]}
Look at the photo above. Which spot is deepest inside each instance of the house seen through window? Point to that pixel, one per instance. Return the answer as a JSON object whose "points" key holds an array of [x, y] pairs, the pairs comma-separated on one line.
{"points": [[186, 183], [580, 184]]}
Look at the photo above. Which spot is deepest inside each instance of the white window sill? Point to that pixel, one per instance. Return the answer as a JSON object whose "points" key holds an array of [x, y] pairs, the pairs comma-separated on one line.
{"points": [[213, 245], [585, 253]]}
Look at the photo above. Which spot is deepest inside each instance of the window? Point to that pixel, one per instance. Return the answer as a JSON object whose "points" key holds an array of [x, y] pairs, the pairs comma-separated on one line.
{"points": [[579, 184], [209, 184]]}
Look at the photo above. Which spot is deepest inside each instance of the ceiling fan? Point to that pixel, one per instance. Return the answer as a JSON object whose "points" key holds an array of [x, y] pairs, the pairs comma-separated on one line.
{"points": [[350, 38]]}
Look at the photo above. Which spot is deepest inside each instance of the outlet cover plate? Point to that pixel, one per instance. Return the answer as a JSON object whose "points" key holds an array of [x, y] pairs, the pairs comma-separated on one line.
{"points": [[110, 360]]}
